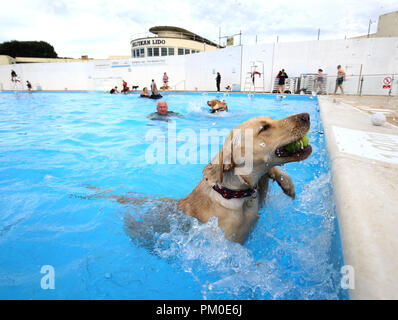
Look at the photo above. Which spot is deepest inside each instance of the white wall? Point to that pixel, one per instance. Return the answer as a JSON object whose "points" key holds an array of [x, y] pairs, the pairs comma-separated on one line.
{"points": [[201, 68], [376, 55]]}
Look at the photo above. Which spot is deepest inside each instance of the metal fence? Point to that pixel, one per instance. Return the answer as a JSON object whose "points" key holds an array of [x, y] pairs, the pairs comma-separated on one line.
{"points": [[367, 84]]}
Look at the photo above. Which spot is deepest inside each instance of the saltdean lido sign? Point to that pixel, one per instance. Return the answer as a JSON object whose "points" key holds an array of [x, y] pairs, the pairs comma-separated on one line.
{"points": [[148, 42]]}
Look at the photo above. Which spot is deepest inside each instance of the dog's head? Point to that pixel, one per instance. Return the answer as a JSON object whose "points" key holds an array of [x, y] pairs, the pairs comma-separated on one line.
{"points": [[257, 145], [213, 102]]}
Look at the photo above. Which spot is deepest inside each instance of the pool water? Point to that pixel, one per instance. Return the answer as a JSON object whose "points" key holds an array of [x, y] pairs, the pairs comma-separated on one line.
{"points": [[65, 160]]}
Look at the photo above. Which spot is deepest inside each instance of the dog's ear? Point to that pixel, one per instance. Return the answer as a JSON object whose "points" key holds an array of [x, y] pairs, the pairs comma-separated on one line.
{"points": [[223, 161]]}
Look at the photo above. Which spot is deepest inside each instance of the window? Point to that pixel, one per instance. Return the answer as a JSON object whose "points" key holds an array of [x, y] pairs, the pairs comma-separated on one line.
{"points": [[155, 52], [171, 51], [164, 51], [133, 53], [180, 51], [142, 53], [149, 52], [187, 51], [137, 53]]}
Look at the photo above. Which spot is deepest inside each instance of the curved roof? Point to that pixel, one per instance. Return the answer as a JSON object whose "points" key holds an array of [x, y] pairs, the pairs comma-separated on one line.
{"points": [[187, 34]]}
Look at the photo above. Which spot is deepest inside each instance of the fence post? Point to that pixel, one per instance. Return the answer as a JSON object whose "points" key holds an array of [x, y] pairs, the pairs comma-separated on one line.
{"points": [[359, 79], [360, 90], [392, 83]]}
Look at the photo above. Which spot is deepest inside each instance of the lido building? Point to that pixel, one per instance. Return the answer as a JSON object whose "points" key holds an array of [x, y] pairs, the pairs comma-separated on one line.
{"points": [[169, 41]]}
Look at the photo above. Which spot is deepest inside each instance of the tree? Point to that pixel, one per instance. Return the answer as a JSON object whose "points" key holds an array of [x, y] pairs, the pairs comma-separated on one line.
{"points": [[30, 49]]}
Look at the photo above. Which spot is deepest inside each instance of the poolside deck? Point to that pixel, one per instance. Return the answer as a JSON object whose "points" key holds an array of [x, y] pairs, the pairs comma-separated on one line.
{"points": [[364, 161]]}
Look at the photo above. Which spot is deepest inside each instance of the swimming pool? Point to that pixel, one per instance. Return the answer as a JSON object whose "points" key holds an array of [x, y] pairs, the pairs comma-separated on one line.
{"points": [[65, 157]]}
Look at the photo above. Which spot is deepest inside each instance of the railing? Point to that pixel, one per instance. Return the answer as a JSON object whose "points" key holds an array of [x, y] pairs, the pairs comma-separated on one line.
{"points": [[370, 84], [366, 84]]}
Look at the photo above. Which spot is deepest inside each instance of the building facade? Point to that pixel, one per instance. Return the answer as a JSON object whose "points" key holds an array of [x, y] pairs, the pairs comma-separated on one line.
{"points": [[169, 41], [387, 26]]}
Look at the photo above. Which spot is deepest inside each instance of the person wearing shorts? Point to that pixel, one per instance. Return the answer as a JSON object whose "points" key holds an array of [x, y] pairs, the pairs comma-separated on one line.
{"points": [[29, 85], [320, 81], [340, 79]]}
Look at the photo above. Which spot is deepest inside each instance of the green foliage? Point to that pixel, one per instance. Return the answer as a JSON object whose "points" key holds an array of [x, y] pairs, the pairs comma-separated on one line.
{"points": [[31, 49]]}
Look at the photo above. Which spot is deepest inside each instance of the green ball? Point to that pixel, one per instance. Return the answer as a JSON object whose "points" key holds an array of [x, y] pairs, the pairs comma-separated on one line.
{"points": [[306, 141]]}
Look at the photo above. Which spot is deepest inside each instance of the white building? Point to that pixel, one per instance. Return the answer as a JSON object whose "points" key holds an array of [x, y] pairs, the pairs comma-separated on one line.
{"points": [[169, 41]]}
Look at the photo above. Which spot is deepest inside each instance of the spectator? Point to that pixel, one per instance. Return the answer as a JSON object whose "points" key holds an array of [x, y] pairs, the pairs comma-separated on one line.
{"points": [[282, 75], [29, 85], [154, 87], [320, 81], [125, 87], [340, 79], [218, 81], [14, 76], [165, 80]]}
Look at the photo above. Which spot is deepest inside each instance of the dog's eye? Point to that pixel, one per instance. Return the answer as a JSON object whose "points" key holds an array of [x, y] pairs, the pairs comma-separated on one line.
{"points": [[264, 128]]}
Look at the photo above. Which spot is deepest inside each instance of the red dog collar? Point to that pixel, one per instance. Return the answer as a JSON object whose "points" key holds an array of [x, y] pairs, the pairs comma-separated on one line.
{"points": [[232, 194]]}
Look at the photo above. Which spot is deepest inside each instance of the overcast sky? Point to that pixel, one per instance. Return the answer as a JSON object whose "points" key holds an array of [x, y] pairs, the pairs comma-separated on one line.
{"points": [[103, 28]]}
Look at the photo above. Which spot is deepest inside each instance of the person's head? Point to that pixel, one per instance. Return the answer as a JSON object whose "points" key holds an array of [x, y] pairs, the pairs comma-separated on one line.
{"points": [[153, 80], [115, 87], [165, 73], [283, 70], [145, 89], [162, 107], [339, 67], [218, 73], [320, 70]]}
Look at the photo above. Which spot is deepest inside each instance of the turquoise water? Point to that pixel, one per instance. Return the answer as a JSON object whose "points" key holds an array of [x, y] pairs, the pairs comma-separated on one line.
{"points": [[65, 158]]}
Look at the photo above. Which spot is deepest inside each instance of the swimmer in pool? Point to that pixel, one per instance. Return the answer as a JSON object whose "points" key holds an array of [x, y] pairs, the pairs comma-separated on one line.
{"points": [[145, 93], [162, 113], [114, 90]]}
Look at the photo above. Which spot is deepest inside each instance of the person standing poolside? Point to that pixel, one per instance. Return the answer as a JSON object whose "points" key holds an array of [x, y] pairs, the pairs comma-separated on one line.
{"points": [[125, 87], [29, 85], [14, 76], [218, 81], [282, 75], [154, 87], [165, 80], [340, 79], [320, 81]]}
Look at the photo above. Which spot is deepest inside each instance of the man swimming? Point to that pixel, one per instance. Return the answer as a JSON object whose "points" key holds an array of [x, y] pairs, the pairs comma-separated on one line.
{"points": [[162, 113]]}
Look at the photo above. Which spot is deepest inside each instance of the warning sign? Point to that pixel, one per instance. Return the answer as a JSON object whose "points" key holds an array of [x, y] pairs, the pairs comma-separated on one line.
{"points": [[387, 82]]}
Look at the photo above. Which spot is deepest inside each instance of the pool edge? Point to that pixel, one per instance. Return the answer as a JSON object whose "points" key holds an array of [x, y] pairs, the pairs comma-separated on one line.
{"points": [[366, 220]]}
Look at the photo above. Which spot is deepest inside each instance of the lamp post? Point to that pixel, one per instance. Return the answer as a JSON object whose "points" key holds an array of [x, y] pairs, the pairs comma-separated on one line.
{"points": [[370, 22]]}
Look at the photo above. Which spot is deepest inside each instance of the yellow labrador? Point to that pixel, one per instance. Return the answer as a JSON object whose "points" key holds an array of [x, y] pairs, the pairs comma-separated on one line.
{"points": [[228, 190], [235, 196], [217, 105]]}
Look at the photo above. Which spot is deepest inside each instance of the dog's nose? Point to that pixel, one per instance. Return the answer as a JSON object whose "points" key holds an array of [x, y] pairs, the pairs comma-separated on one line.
{"points": [[303, 117]]}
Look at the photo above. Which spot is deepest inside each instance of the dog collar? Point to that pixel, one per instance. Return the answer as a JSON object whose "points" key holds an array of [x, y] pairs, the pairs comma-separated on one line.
{"points": [[232, 194]]}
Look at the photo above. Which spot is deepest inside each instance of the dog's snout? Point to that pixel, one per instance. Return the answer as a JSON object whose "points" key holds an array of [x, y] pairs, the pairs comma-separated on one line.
{"points": [[303, 117]]}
